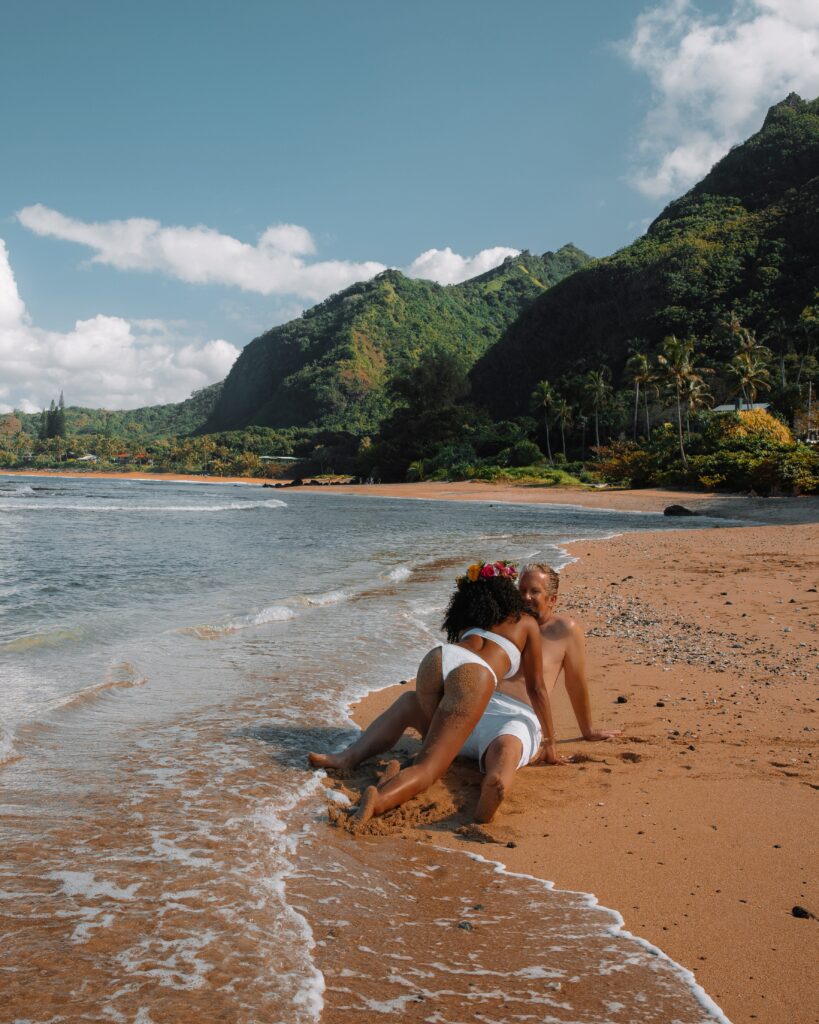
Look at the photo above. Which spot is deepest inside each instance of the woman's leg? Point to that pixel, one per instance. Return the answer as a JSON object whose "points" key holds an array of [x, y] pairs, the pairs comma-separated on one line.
{"points": [[380, 735], [500, 762], [466, 693], [429, 682]]}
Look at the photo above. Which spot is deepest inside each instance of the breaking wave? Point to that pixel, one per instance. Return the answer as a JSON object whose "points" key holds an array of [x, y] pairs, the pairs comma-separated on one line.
{"points": [[40, 506]]}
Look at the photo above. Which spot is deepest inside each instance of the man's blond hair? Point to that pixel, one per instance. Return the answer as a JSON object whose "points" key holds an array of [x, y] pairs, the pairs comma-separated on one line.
{"points": [[551, 574]]}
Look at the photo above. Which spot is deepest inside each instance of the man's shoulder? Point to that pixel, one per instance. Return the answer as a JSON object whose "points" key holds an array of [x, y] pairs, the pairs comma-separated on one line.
{"points": [[560, 627]]}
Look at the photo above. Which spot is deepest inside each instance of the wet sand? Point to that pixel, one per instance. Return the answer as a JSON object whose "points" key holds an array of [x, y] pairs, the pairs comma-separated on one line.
{"points": [[698, 823]]}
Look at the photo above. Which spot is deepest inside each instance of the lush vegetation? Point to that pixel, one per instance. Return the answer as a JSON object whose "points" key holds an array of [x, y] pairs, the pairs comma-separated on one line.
{"points": [[335, 366], [144, 424], [734, 451], [741, 247], [547, 369]]}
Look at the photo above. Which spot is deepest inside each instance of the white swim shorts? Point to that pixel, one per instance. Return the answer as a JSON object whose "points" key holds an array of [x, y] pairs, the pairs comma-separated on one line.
{"points": [[504, 716]]}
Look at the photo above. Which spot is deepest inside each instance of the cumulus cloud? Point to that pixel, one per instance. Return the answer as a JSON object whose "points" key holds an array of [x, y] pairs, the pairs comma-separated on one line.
{"points": [[275, 265], [447, 267], [105, 361], [713, 79]]}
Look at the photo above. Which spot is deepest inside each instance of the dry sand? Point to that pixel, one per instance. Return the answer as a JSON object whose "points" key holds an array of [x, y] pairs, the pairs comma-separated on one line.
{"points": [[699, 823]]}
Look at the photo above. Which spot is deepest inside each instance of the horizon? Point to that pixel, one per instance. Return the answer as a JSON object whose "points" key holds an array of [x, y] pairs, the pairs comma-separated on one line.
{"points": [[170, 196]]}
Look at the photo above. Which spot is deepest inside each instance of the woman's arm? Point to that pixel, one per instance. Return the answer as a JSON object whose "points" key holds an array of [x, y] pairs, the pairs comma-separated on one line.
{"points": [[532, 659]]}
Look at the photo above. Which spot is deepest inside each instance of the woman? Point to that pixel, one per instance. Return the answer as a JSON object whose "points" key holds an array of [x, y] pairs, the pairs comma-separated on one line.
{"points": [[490, 633]]}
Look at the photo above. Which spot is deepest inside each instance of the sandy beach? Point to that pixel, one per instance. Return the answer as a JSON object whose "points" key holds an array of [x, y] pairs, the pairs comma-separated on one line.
{"points": [[695, 824], [698, 823]]}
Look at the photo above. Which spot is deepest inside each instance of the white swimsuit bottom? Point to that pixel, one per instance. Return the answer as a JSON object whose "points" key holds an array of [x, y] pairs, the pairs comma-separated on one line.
{"points": [[504, 716], [452, 656]]}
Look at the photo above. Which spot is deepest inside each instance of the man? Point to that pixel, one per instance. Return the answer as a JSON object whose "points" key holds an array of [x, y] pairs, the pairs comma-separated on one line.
{"points": [[508, 734]]}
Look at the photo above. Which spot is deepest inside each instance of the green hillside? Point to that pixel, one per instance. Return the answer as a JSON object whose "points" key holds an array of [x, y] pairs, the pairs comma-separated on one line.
{"points": [[147, 423], [334, 366], [743, 242]]}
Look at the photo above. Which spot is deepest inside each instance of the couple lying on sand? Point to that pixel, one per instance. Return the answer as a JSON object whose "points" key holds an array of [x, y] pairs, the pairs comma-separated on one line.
{"points": [[483, 694]]}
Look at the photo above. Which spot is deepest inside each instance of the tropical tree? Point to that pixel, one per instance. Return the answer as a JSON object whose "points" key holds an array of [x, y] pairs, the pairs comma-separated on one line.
{"points": [[598, 390], [543, 398], [642, 373], [697, 396], [751, 373], [680, 374], [564, 413]]}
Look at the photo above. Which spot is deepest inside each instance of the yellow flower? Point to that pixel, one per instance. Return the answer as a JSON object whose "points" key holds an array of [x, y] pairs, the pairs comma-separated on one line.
{"points": [[473, 572]]}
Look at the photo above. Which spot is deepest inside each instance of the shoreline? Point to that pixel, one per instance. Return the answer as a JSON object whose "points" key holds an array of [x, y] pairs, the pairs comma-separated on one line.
{"points": [[627, 823], [750, 508]]}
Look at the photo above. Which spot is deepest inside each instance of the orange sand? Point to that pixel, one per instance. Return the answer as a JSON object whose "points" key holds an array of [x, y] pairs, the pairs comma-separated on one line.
{"points": [[699, 823]]}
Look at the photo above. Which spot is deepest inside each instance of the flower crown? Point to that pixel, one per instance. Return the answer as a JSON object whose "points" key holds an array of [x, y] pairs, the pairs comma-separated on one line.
{"points": [[487, 570]]}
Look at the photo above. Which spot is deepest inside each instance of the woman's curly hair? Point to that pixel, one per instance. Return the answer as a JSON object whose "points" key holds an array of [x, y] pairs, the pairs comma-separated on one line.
{"points": [[483, 604]]}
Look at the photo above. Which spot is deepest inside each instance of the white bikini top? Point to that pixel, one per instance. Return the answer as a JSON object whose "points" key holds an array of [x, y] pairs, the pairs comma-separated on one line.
{"points": [[512, 653]]}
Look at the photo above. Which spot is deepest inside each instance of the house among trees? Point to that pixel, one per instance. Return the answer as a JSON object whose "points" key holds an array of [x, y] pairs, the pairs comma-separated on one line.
{"points": [[738, 406]]}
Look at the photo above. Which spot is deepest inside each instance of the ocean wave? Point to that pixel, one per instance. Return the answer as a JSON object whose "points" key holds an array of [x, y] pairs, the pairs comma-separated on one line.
{"points": [[51, 638], [40, 506], [281, 611], [8, 752], [273, 613], [399, 573], [320, 600], [125, 676]]}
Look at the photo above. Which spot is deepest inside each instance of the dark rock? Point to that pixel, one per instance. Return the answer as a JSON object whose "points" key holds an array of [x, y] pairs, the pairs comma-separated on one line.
{"points": [[511, 845], [465, 925], [622, 700], [660, 704], [803, 912], [298, 482], [678, 510]]}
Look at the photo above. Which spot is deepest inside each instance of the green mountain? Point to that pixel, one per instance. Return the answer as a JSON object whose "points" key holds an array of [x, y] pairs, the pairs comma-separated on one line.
{"points": [[147, 423], [334, 366], [745, 240]]}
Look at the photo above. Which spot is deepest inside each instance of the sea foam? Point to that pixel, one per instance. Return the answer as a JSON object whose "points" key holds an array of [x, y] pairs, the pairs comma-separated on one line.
{"points": [[40, 506]]}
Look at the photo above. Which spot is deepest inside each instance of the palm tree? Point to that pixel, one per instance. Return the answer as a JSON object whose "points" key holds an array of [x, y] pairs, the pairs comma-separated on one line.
{"points": [[544, 397], [565, 417], [639, 366], [751, 373], [598, 389], [677, 362], [697, 396]]}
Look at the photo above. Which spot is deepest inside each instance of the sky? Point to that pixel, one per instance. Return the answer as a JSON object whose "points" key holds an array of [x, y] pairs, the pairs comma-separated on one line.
{"points": [[178, 177]]}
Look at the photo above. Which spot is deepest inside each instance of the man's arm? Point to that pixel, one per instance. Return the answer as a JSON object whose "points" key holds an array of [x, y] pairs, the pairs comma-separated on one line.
{"points": [[574, 673], [532, 662]]}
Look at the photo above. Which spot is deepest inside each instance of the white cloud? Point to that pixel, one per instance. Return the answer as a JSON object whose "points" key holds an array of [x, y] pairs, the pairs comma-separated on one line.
{"points": [[274, 266], [447, 267], [713, 79], [105, 361], [201, 255]]}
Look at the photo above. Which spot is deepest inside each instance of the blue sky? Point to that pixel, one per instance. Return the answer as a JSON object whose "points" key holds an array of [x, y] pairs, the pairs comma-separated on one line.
{"points": [[178, 177]]}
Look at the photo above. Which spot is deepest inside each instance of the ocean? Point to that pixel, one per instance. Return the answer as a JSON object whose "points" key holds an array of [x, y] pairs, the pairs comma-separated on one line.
{"points": [[168, 655]]}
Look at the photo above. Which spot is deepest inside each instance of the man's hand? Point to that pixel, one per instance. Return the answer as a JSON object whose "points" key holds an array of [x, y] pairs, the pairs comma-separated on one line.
{"points": [[593, 735], [547, 754]]}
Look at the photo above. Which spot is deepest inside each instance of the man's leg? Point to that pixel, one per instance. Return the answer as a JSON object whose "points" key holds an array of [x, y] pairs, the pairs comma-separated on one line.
{"points": [[501, 762], [380, 735]]}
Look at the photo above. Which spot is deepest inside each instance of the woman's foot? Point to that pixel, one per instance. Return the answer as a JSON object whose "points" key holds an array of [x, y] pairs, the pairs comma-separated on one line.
{"points": [[493, 791], [336, 762], [392, 769], [366, 807]]}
